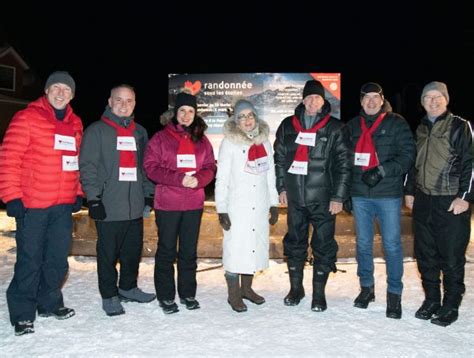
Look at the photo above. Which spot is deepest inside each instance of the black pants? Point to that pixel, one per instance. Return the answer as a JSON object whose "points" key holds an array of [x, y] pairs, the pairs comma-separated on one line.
{"points": [[43, 240], [323, 244], [123, 241], [441, 240], [171, 226]]}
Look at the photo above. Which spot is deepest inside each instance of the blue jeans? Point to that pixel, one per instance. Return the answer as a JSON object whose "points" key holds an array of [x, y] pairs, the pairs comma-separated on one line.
{"points": [[388, 212]]}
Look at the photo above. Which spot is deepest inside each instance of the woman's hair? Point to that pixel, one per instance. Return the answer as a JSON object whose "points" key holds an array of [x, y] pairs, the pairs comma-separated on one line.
{"points": [[195, 129]]}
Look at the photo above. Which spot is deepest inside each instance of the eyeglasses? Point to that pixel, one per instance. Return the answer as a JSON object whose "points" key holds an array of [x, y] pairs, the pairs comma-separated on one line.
{"points": [[242, 117], [432, 98]]}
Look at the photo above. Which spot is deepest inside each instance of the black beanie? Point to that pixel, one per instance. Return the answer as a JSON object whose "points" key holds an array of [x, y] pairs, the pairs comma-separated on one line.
{"points": [[61, 77], [185, 99], [370, 87], [313, 87]]}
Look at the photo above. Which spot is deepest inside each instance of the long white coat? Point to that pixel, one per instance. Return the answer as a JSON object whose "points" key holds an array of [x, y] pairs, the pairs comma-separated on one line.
{"points": [[247, 199]]}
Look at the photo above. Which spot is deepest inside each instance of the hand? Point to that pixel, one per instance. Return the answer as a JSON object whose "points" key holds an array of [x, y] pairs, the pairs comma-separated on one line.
{"points": [[190, 182], [335, 207], [372, 176], [224, 220], [97, 210], [409, 200], [458, 206], [283, 198], [77, 205], [347, 205], [16, 209], [273, 215]]}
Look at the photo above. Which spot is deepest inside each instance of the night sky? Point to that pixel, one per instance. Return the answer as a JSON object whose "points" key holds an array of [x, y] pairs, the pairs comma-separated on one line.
{"points": [[402, 48]]}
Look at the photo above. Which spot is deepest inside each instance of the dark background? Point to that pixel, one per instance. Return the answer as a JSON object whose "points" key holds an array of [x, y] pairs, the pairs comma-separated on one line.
{"points": [[400, 45]]}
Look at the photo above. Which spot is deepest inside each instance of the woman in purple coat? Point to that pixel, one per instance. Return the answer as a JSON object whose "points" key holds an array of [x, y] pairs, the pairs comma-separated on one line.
{"points": [[180, 160]]}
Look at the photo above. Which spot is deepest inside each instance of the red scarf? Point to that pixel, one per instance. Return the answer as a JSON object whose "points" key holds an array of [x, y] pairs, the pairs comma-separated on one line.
{"points": [[257, 161], [302, 150], [128, 158], [365, 143], [185, 149]]}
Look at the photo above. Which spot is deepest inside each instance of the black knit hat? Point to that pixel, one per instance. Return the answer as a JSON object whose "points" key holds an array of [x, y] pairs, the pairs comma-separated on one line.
{"points": [[61, 77], [370, 87], [185, 99], [313, 87]]}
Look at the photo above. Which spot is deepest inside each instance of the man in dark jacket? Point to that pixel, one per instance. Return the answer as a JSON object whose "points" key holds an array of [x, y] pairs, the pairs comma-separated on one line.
{"points": [[441, 211], [117, 189], [383, 152], [313, 173]]}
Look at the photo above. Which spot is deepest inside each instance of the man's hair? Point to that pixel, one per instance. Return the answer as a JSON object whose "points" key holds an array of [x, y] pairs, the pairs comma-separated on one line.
{"points": [[123, 85]]}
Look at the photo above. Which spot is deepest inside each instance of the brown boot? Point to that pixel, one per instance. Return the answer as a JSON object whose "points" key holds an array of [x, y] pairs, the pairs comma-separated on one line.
{"points": [[247, 291], [235, 296]]}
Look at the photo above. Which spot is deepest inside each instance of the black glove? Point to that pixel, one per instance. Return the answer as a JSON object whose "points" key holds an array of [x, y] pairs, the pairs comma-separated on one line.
{"points": [[372, 176], [149, 202], [347, 205], [77, 205], [224, 220], [273, 215], [97, 210], [15, 209]]}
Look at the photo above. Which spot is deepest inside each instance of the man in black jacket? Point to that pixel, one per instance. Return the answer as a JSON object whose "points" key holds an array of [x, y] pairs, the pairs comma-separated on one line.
{"points": [[441, 211], [313, 174], [383, 152]]}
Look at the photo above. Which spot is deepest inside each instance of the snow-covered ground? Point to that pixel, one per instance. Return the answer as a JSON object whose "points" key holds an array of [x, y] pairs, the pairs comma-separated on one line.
{"points": [[216, 331]]}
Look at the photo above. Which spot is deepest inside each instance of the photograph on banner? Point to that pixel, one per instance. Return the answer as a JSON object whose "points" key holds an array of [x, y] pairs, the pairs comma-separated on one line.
{"points": [[275, 96]]}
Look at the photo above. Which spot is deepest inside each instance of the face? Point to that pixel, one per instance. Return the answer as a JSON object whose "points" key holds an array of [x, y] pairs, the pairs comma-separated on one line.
{"points": [[247, 120], [59, 95], [185, 115], [372, 103], [434, 103], [122, 102], [313, 104]]}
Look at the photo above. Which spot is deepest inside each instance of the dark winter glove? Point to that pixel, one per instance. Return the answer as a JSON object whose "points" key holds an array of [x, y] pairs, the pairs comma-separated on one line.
{"points": [[347, 205], [97, 210], [224, 220], [77, 205], [149, 202], [273, 215], [372, 176], [15, 209]]}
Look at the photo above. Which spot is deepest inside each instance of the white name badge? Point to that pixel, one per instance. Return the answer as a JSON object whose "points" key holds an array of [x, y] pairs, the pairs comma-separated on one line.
{"points": [[300, 168], [257, 166], [308, 139], [186, 161], [64, 142], [126, 143], [362, 159], [127, 174], [70, 163]]}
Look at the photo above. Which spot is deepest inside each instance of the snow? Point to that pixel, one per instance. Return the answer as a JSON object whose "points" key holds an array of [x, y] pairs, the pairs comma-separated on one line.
{"points": [[271, 329]]}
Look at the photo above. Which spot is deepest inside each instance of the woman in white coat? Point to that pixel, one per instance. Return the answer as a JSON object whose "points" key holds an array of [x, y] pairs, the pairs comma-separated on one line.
{"points": [[245, 194]]}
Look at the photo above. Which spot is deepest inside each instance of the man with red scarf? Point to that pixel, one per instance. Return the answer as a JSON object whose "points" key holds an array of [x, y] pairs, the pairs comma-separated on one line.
{"points": [[117, 190], [313, 173], [39, 182], [383, 152]]}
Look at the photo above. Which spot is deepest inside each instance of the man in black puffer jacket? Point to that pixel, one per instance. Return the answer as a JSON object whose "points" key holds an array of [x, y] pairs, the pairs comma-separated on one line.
{"points": [[383, 152], [313, 174]]}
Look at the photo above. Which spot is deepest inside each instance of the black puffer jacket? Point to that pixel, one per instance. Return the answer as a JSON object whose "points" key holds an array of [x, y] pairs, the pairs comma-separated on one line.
{"points": [[329, 162], [395, 149]]}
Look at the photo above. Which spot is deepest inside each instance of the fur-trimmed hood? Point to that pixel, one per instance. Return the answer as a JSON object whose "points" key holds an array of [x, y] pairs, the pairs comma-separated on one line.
{"points": [[166, 117], [236, 135]]}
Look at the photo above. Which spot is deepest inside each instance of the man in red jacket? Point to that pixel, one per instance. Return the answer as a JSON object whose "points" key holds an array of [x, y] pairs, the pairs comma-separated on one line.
{"points": [[39, 182]]}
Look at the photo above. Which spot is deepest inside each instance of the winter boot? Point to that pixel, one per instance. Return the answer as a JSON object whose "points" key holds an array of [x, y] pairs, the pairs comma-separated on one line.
{"points": [[366, 295], [427, 310], [247, 292], [394, 305], [448, 313], [190, 302], [24, 327], [320, 278], [235, 294], [112, 306], [135, 295], [168, 306], [296, 294]]}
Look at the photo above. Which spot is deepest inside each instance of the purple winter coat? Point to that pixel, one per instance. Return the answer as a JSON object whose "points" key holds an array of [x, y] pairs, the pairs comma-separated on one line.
{"points": [[160, 166]]}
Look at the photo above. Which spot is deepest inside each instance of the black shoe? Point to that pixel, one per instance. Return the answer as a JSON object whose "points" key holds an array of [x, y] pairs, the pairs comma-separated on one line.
{"points": [[190, 302], [366, 296], [427, 310], [294, 297], [318, 304], [168, 306], [24, 327], [394, 305], [446, 316], [60, 313]]}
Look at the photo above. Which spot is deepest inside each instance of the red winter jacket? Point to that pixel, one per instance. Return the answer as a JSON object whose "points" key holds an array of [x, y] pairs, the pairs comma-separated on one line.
{"points": [[30, 167], [160, 166]]}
